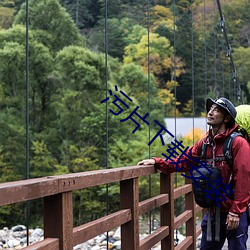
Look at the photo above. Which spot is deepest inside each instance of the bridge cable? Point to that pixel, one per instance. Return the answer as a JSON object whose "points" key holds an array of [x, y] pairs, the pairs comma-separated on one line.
{"points": [[107, 120], [215, 53], [229, 54], [205, 49], [149, 153], [205, 54], [27, 204], [193, 97], [176, 240]]}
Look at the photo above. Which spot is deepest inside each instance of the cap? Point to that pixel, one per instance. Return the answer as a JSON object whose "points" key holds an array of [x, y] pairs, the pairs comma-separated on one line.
{"points": [[223, 103]]}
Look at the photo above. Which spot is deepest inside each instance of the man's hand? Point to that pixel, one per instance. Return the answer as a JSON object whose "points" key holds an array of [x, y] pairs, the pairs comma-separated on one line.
{"points": [[146, 162], [232, 222]]}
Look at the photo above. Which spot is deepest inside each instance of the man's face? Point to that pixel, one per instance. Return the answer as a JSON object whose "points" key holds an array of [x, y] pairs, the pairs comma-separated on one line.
{"points": [[215, 116]]}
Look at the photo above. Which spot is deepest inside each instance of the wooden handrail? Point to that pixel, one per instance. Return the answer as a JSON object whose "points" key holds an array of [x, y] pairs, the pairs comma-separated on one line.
{"points": [[58, 208]]}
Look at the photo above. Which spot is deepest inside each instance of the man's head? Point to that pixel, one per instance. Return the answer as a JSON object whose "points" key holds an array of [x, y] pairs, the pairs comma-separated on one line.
{"points": [[220, 111]]}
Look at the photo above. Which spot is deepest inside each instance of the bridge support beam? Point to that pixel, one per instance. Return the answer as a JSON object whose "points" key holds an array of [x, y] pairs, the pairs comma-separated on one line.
{"points": [[167, 210], [191, 223], [129, 192], [58, 219]]}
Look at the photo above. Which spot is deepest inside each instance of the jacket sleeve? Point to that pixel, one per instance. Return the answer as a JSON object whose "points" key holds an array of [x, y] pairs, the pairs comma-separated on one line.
{"points": [[241, 175], [182, 163]]}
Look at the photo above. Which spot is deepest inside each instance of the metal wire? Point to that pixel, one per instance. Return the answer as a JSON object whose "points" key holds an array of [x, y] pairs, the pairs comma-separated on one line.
{"points": [[149, 153], [27, 207], [107, 121], [205, 50], [193, 108], [175, 95], [230, 55]]}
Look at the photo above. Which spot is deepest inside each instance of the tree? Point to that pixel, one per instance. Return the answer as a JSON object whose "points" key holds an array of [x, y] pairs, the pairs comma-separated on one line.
{"points": [[84, 13], [242, 65], [6, 17], [53, 25]]}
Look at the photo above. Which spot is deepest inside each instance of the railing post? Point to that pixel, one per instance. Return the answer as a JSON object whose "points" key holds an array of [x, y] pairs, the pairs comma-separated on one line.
{"points": [[58, 219], [191, 223], [167, 210], [129, 198]]}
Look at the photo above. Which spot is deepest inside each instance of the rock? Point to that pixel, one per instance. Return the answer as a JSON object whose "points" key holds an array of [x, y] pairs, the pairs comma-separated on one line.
{"points": [[117, 245], [3, 233], [13, 240], [100, 238], [95, 248], [117, 235], [38, 232], [111, 233], [13, 243], [111, 239], [18, 228]]}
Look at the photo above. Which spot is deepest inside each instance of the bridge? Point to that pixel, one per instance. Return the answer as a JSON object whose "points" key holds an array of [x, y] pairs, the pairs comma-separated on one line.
{"points": [[56, 192]]}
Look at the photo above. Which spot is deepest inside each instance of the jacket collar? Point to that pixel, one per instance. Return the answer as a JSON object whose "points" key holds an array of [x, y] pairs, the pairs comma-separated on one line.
{"points": [[221, 136]]}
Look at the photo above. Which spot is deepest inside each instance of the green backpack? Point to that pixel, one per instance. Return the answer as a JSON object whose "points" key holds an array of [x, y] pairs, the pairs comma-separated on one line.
{"points": [[243, 120]]}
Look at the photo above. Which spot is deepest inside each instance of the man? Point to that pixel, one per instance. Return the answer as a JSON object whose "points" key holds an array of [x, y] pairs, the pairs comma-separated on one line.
{"points": [[221, 115]]}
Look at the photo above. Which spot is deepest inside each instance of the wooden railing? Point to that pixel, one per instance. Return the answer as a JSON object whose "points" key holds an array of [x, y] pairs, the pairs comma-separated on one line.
{"points": [[56, 192]]}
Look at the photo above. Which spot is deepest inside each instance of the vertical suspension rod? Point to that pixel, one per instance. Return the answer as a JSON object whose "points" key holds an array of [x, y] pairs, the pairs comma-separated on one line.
{"points": [[229, 52], [27, 113]]}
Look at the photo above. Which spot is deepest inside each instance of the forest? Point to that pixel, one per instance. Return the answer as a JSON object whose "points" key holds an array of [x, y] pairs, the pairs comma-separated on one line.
{"points": [[166, 56]]}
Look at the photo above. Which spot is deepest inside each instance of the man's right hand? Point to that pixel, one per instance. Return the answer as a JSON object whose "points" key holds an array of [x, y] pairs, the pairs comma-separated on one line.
{"points": [[146, 162]]}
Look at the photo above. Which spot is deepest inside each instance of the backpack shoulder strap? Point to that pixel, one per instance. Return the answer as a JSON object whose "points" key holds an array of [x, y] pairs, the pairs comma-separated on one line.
{"points": [[227, 148], [203, 151]]}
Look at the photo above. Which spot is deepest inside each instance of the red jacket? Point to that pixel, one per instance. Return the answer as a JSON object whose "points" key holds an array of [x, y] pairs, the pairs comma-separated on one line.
{"points": [[241, 167]]}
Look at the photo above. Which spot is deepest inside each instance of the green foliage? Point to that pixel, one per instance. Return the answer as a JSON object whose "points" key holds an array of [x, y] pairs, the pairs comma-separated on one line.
{"points": [[6, 17], [85, 13], [242, 63], [53, 25]]}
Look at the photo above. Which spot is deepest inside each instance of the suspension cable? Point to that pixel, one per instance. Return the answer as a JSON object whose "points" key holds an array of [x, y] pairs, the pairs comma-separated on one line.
{"points": [[215, 53], [174, 75], [149, 153], [205, 50], [192, 24], [175, 93], [229, 53], [107, 120], [27, 207]]}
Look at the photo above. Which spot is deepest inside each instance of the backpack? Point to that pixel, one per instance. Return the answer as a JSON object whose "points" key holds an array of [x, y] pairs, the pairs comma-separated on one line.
{"points": [[203, 178]]}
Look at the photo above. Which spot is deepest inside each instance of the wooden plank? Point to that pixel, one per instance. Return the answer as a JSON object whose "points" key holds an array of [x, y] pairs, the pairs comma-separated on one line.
{"points": [[185, 244], [46, 244], [182, 218], [191, 223], [94, 178], [198, 231], [58, 219], [167, 210], [152, 203], [154, 238], [24, 190], [129, 195], [182, 190], [198, 208], [90, 230]]}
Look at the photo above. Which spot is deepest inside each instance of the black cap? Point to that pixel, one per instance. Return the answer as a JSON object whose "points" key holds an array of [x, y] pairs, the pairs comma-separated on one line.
{"points": [[223, 103]]}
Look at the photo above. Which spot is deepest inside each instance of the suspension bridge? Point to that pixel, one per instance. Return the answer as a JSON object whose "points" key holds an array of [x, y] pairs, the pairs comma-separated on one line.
{"points": [[56, 192]]}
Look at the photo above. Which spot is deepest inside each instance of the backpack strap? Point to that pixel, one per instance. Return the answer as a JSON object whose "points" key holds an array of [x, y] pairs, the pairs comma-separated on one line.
{"points": [[227, 148], [203, 151]]}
